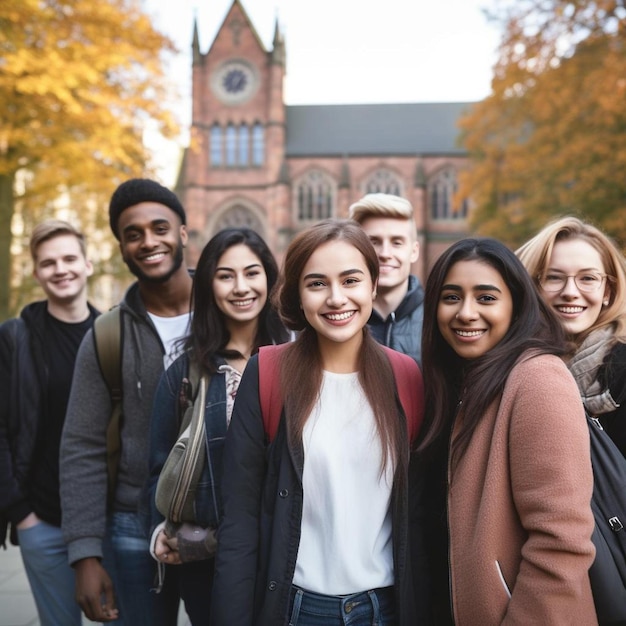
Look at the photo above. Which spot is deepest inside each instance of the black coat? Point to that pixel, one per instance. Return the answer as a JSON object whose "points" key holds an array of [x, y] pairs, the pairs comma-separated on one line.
{"points": [[259, 536], [23, 381]]}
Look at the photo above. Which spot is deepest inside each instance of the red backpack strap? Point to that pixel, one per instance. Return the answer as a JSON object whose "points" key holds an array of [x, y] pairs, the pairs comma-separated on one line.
{"points": [[410, 387], [269, 389]]}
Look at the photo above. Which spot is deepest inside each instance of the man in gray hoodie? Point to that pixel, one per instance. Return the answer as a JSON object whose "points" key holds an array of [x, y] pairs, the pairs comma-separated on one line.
{"points": [[106, 543]]}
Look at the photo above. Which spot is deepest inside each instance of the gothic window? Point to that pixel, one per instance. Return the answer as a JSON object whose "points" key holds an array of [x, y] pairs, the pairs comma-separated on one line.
{"points": [[315, 197], [231, 146], [243, 141], [441, 190], [239, 215], [384, 181], [216, 146], [258, 144]]}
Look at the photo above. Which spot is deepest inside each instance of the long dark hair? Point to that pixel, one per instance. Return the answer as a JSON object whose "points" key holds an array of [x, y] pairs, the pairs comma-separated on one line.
{"points": [[301, 367], [208, 331], [478, 382]]}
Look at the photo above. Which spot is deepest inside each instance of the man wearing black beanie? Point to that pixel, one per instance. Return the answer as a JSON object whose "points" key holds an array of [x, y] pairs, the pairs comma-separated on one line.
{"points": [[115, 574]]}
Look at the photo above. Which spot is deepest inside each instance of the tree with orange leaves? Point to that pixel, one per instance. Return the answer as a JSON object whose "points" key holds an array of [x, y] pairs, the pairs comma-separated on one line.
{"points": [[551, 137], [80, 82]]}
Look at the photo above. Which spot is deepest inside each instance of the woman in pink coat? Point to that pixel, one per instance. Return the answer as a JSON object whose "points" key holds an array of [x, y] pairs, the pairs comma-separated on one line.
{"points": [[506, 428]]}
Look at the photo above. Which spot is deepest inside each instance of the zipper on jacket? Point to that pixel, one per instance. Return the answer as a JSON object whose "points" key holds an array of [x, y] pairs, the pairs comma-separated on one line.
{"points": [[391, 320]]}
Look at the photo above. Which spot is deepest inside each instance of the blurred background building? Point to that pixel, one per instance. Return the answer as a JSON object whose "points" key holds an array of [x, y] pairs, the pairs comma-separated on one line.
{"points": [[254, 161]]}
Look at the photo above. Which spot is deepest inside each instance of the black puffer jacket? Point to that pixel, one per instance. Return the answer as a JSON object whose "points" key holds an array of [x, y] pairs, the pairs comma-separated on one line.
{"points": [[262, 488], [402, 330]]}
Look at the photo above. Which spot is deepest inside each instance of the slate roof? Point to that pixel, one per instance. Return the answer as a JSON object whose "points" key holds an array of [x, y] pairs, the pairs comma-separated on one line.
{"points": [[426, 128]]}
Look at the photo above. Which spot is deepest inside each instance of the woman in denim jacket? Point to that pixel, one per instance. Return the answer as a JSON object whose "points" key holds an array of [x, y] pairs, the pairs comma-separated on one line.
{"points": [[232, 317]]}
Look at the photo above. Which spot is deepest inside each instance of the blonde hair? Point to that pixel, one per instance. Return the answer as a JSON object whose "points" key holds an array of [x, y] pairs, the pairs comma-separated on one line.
{"points": [[383, 205], [49, 229], [535, 254]]}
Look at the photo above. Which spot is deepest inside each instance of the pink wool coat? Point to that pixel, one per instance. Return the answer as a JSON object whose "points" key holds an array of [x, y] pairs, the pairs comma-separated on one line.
{"points": [[519, 515]]}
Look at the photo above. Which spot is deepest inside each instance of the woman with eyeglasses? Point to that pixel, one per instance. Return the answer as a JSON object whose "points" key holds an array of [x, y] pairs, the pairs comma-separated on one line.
{"points": [[581, 274]]}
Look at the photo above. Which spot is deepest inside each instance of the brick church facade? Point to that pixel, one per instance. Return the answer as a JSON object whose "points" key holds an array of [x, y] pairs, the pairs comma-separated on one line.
{"points": [[255, 161]]}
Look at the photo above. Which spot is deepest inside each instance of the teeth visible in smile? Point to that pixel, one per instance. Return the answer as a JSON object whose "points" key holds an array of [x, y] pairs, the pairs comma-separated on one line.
{"points": [[469, 333], [242, 302], [570, 309], [154, 257], [337, 317]]}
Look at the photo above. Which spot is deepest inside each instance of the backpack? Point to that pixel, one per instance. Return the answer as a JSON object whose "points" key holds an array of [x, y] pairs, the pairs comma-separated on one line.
{"points": [[608, 503], [404, 369]]}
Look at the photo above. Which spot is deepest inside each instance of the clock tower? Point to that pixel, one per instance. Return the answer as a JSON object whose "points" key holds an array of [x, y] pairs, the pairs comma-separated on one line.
{"points": [[231, 170]]}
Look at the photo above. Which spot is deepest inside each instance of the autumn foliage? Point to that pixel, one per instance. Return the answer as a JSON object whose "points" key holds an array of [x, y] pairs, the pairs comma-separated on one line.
{"points": [[80, 82], [551, 138]]}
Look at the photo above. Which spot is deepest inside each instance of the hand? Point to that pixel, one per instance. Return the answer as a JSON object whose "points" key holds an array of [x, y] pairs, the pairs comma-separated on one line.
{"points": [[94, 591], [28, 522], [166, 549]]}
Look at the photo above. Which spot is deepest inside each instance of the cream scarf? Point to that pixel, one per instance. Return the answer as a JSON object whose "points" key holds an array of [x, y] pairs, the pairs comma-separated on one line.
{"points": [[585, 366]]}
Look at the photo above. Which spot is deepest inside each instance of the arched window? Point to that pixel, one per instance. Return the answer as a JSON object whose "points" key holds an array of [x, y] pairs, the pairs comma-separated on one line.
{"points": [[441, 190], [258, 145], [383, 181], [216, 146], [231, 146], [315, 197], [243, 142], [239, 215]]}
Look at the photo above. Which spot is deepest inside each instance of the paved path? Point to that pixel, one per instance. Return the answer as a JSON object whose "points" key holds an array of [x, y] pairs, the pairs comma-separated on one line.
{"points": [[17, 607]]}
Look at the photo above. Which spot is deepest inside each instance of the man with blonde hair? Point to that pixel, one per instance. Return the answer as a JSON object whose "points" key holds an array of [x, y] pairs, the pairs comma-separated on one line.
{"points": [[396, 320], [37, 355]]}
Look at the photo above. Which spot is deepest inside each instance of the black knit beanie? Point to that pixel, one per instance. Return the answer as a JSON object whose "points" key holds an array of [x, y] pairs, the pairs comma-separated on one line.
{"points": [[138, 190]]}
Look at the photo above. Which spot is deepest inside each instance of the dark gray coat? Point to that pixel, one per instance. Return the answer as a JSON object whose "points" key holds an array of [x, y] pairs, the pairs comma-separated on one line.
{"points": [[259, 535]]}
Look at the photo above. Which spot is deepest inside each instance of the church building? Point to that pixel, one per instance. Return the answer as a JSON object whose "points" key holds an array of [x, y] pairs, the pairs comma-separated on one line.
{"points": [[255, 161]]}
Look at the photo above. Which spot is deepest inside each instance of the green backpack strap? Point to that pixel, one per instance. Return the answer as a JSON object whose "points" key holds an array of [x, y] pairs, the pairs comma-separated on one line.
{"points": [[107, 334]]}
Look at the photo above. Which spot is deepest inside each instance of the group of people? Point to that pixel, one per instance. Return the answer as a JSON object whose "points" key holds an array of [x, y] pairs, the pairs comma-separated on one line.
{"points": [[469, 504]]}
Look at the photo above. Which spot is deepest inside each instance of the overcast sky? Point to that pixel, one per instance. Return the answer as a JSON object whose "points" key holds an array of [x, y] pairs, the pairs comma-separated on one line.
{"points": [[352, 51]]}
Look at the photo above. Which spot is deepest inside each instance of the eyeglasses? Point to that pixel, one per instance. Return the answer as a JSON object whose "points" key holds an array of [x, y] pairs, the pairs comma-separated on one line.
{"points": [[584, 281]]}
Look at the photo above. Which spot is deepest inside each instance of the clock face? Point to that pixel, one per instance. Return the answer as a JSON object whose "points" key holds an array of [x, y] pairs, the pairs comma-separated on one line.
{"points": [[234, 82]]}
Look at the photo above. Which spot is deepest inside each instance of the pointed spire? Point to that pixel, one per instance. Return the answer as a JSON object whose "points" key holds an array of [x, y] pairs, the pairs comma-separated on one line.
{"points": [[278, 51], [195, 45]]}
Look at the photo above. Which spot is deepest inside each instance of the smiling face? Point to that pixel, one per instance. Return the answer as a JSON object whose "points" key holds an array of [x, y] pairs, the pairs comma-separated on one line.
{"points": [[62, 269], [475, 308], [578, 310], [240, 284], [396, 249], [152, 239], [336, 293]]}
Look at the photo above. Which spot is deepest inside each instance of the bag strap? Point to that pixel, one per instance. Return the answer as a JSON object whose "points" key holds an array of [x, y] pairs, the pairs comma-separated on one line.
{"points": [[107, 333], [269, 389], [405, 369], [406, 372]]}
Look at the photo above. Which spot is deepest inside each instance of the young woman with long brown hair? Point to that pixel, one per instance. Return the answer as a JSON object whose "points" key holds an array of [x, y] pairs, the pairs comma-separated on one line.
{"points": [[315, 524]]}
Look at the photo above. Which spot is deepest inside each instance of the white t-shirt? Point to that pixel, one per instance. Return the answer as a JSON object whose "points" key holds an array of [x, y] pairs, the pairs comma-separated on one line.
{"points": [[171, 330], [346, 543]]}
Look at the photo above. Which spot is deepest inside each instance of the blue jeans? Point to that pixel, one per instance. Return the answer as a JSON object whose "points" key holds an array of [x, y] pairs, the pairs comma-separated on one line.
{"points": [[133, 572], [49, 574], [368, 608]]}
